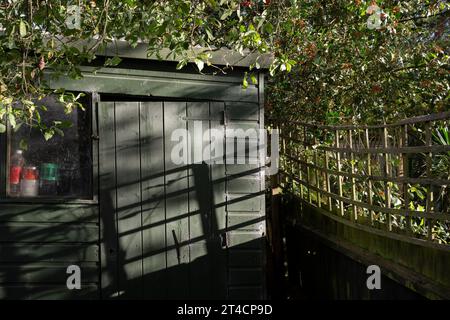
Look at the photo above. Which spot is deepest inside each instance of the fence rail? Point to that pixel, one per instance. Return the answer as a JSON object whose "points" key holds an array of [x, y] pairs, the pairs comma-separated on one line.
{"points": [[391, 178]]}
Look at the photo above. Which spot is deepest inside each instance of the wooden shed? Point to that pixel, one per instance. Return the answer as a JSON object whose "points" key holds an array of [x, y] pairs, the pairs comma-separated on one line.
{"points": [[136, 223]]}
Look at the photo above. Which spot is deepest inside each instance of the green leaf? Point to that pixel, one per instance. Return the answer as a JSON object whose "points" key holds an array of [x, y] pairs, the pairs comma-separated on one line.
{"points": [[245, 82], [226, 14], [288, 67], [66, 124], [2, 128], [59, 131], [17, 127], [12, 120], [254, 79], [200, 64], [181, 64], [48, 134], [209, 33], [22, 29], [23, 144], [112, 62]]}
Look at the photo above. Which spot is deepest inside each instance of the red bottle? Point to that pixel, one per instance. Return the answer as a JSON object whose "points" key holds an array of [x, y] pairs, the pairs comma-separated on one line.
{"points": [[16, 164]]}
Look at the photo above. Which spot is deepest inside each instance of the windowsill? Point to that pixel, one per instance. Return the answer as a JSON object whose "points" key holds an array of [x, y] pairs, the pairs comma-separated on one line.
{"points": [[44, 200]]}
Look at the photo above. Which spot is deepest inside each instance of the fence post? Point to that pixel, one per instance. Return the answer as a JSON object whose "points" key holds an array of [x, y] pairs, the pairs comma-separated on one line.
{"points": [[338, 159], [386, 172], [316, 175], [405, 163], [353, 181], [369, 173], [327, 177], [307, 167]]}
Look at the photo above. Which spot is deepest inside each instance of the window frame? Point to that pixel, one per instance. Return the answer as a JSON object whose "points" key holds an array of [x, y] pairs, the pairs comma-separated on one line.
{"points": [[93, 99]]}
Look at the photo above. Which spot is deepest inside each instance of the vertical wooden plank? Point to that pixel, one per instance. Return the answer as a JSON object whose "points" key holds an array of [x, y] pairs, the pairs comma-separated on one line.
{"points": [[352, 166], [308, 184], [339, 168], [7, 156], [3, 164], [261, 103], [316, 176], [307, 165], [176, 182], [218, 206], [327, 178], [369, 173], [108, 219], [95, 100], [129, 199], [153, 200], [299, 164], [429, 162], [199, 203], [386, 172], [405, 164]]}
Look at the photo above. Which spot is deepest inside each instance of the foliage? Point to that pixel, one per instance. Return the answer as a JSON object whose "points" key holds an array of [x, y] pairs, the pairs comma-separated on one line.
{"points": [[329, 63], [348, 72], [61, 35]]}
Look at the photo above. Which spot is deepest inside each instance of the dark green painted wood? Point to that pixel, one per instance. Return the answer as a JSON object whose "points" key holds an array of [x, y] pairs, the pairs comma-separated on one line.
{"points": [[218, 174], [245, 292], [95, 101], [245, 240], [145, 197], [49, 213], [47, 292], [245, 276], [22, 232], [241, 111], [38, 241], [45, 273], [3, 165], [241, 202], [245, 222], [208, 258], [129, 214], [199, 203], [73, 253], [108, 217], [176, 182], [158, 84], [244, 185], [247, 169], [244, 201], [218, 57], [245, 258], [153, 200]]}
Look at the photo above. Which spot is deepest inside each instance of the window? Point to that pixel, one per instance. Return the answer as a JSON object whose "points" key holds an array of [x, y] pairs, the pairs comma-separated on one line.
{"points": [[58, 168]]}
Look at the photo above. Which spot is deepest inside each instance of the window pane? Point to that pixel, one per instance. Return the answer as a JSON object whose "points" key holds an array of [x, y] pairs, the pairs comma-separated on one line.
{"points": [[59, 167]]}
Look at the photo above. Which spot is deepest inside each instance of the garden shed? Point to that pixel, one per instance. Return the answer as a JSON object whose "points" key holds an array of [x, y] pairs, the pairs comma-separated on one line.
{"points": [[136, 223]]}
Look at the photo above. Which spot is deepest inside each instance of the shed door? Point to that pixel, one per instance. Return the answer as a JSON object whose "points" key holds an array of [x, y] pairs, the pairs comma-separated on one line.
{"points": [[160, 224]]}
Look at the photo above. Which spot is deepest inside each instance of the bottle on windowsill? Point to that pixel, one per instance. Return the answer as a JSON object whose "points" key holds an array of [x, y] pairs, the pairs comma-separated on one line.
{"points": [[48, 179], [15, 173]]}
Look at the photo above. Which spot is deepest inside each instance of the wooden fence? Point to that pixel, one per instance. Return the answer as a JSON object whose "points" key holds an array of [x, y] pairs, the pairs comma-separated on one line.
{"points": [[391, 179]]}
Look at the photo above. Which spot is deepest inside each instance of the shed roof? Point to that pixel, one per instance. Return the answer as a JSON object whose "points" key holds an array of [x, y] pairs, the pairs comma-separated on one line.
{"points": [[220, 57]]}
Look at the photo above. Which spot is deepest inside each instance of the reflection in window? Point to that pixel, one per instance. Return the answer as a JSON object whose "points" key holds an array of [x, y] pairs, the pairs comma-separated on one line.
{"points": [[59, 167]]}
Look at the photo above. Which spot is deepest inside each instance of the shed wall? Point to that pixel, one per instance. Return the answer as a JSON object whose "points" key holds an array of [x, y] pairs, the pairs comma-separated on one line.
{"points": [[38, 240]]}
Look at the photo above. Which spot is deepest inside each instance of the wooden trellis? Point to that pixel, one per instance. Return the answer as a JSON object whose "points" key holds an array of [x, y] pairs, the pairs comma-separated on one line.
{"points": [[391, 179]]}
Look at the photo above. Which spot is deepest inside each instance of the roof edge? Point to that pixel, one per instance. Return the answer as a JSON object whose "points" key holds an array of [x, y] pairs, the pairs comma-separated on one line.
{"points": [[219, 57]]}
